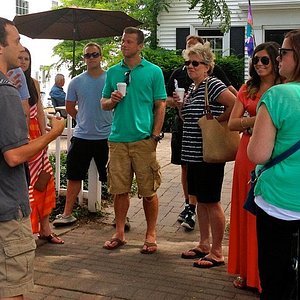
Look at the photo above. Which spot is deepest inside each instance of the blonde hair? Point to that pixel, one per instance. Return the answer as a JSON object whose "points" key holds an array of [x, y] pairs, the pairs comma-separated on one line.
{"points": [[204, 51]]}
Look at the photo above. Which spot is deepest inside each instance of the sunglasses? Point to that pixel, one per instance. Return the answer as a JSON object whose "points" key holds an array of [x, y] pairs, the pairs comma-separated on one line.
{"points": [[89, 55], [127, 77], [194, 63], [264, 60], [283, 51]]}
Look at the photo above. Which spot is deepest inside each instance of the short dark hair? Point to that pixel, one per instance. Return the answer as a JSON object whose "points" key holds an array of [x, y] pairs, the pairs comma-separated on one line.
{"points": [[194, 37], [3, 33], [138, 32], [93, 44]]}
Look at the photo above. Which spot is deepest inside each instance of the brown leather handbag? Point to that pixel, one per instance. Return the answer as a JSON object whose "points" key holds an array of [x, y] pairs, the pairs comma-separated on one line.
{"points": [[219, 143]]}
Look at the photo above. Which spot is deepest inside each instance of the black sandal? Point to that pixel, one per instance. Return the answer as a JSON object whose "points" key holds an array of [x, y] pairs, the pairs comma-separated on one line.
{"points": [[51, 238]]}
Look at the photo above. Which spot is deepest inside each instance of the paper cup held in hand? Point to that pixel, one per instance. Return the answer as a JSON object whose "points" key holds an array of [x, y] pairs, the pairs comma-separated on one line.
{"points": [[121, 86], [180, 93]]}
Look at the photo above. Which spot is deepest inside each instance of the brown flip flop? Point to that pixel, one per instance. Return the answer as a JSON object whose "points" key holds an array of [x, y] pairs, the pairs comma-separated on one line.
{"points": [[117, 241], [149, 245]]}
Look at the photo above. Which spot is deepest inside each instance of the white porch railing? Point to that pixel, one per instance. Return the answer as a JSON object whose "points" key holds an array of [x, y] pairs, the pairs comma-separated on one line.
{"points": [[93, 194]]}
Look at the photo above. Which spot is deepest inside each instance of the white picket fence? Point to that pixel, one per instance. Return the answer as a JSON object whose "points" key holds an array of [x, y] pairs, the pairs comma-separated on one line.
{"points": [[93, 194]]}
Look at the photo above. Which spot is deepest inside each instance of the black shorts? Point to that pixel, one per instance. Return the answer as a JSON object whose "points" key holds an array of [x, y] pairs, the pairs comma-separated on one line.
{"points": [[205, 181], [80, 155], [176, 141]]}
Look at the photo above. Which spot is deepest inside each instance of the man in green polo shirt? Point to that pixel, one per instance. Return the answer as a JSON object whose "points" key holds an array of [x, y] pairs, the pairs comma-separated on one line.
{"points": [[137, 123]]}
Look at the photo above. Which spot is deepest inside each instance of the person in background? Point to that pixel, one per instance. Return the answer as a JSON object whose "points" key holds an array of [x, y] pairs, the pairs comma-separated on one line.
{"points": [[93, 126], [41, 202], [17, 77], [181, 79], [242, 257], [137, 123], [204, 179], [57, 92], [277, 190], [17, 244]]}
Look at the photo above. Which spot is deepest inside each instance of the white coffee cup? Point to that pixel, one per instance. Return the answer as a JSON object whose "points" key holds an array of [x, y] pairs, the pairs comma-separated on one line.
{"points": [[121, 86], [180, 93]]}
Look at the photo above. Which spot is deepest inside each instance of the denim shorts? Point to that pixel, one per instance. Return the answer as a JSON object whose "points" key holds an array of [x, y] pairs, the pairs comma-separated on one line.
{"points": [[16, 258], [127, 159]]}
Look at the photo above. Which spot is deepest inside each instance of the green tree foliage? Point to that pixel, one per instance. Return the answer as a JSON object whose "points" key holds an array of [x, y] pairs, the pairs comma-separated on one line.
{"points": [[210, 10]]}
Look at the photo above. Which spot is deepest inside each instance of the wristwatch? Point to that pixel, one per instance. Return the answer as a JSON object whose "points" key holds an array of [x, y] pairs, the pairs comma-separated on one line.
{"points": [[157, 138]]}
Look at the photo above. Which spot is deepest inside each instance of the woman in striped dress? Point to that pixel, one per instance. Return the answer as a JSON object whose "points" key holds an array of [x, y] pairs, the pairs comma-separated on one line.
{"points": [[43, 202]]}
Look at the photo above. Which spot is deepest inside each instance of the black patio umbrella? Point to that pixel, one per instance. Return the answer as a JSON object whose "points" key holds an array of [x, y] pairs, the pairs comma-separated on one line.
{"points": [[73, 23]]}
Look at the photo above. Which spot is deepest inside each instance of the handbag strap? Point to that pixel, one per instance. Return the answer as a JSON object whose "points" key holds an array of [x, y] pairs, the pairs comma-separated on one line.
{"points": [[207, 110], [279, 158]]}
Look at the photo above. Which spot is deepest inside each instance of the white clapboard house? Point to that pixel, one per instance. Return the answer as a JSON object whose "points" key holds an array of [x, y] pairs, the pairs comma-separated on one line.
{"points": [[271, 19]]}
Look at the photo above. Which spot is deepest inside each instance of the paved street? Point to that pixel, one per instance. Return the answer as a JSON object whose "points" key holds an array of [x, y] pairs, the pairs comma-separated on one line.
{"points": [[82, 269]]}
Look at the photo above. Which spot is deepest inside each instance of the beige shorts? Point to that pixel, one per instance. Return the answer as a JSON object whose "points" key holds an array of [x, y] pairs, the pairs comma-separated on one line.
{"points": [[127, 159], [16, 257]]}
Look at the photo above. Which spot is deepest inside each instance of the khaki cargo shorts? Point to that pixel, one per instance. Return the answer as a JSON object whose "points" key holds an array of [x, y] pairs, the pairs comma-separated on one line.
{"points": [[16, 257], [127, 159]]}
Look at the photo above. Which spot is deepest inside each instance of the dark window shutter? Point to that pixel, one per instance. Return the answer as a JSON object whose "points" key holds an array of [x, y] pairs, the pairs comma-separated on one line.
{"points": [[237, 41], [181, 34]]}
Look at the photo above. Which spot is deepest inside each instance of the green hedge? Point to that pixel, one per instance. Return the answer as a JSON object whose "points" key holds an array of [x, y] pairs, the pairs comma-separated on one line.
{"points": [[169, 60]]}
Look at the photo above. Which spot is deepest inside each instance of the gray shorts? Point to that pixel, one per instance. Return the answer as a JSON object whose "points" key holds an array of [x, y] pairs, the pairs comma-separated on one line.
{"points": [[17, 250]]}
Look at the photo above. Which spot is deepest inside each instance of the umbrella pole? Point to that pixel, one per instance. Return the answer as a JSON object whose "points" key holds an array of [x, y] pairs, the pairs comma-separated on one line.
{"points": [[73, 66]]}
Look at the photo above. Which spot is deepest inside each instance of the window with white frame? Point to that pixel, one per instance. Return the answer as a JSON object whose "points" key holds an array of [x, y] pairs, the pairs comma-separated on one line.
{"points": [[22, 7], [215, 37]]}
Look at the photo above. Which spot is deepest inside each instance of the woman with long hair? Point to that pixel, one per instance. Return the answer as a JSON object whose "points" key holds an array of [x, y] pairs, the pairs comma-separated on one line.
{"points": [[242, 256], [41, 202], [277, 190]]}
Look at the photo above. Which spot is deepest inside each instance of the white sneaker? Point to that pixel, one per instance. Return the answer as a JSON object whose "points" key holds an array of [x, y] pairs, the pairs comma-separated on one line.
{"points": [[61, 220]]}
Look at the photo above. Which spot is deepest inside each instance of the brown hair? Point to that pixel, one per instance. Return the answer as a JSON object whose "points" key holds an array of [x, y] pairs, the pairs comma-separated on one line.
{"points": [[92, 44], [3, 33], [253, 84], [139, 33], [34, 96], [294, 38]]}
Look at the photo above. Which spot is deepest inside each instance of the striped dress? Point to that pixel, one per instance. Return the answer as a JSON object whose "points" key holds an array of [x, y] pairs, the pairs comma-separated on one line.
{"points": [[41, 203], [192, 110]]}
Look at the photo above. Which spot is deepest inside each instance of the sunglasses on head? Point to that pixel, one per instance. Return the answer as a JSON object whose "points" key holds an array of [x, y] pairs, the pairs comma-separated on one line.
{"points": [[127, 77], [93, 55], [264, 60], [284, 51], [194, 63]]}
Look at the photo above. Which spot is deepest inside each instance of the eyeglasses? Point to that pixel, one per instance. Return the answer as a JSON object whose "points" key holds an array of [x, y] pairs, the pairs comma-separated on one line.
{"points": [[283, 51], [89, 55], [194, 63], [127, 77], [265, 60]]}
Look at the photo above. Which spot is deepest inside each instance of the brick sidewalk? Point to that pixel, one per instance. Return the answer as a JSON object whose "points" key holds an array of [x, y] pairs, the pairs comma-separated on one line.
{"points": [[82, 269]]}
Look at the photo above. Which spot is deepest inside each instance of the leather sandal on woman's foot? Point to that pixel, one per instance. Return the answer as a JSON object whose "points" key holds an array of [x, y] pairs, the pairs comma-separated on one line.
{"points": [[239, 283], [51, 238]]}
